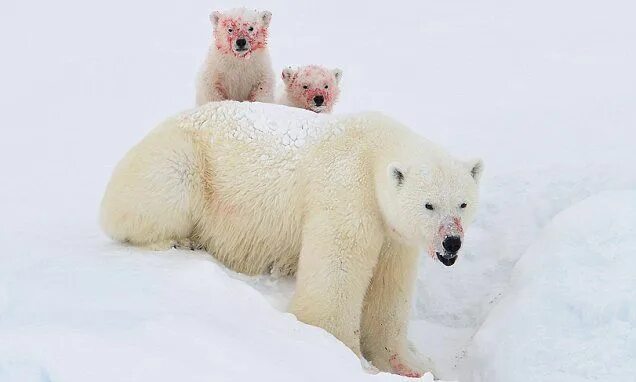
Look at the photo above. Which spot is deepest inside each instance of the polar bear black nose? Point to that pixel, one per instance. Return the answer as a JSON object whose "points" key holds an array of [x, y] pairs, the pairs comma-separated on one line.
{"points": [[452, 244], [241, 42], [319, 100]]}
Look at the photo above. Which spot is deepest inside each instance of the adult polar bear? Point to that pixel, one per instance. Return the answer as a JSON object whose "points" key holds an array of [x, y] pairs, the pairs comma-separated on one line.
{"points": [[344, 202]]}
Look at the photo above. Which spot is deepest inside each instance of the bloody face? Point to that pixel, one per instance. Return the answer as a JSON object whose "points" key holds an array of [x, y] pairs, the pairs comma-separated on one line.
{"points": [[313, 87], [240, 36]]}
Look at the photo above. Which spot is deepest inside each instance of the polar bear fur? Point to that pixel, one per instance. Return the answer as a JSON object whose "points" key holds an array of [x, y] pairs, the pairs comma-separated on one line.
{"points": [[338, 201], [310, 87], [232, 72]]}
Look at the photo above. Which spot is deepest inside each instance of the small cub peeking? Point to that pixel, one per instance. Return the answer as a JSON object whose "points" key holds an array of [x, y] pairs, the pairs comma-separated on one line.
{"points": [[238, 66], [310, 87]]}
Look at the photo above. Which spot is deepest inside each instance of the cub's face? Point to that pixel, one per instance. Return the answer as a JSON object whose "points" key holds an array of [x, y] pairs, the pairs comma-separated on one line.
{"points": [[312, 87], [240, 32], [431, 206]]}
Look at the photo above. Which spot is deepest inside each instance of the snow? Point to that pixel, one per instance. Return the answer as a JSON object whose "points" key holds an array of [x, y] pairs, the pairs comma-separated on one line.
{"points": [[291, 128], [543, 91], [569, 312], [112, 313]]}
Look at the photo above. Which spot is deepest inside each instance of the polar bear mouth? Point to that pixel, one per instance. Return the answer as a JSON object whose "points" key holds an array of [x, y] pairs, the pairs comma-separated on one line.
{"points": [[243, 52], [446, 260]]}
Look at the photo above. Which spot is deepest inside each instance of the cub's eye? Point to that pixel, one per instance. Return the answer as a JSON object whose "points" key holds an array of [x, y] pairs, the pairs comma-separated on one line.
{"points": [[463, 205], [305, 87], [251, 29], [429, 206], [326, 86], [230, 30]]}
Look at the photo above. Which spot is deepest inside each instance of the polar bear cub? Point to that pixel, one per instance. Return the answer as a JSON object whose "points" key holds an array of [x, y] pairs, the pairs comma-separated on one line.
{"points": [[238, 66], [345, 203], [310, 87]]}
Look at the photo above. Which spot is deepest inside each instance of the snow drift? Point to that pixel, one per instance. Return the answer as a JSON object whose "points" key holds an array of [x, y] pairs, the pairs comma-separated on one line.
{"points": [[111, 313], [569, 314]]}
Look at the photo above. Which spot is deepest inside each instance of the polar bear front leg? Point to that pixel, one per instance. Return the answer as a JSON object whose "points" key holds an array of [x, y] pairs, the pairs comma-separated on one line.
{"points": [[334, 270], [386, 311], [211, 88], [262, 92]]}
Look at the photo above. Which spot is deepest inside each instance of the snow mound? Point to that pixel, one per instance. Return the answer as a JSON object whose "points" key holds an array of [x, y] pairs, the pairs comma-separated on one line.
{"points": [[570, 311], [113, 313]]}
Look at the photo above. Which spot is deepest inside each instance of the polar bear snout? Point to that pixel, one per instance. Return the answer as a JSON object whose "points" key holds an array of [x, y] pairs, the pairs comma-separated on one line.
{"points": [[241, 45], [450, 235], [451, 245]]}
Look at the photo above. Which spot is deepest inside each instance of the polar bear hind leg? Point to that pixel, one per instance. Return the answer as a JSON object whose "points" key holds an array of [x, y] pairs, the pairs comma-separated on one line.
{"points": [[149, 201]]}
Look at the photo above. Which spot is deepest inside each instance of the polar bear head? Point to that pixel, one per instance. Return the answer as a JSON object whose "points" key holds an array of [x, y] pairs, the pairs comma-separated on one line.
{"points": [[240, 31], [312, 87], [428, 201]]}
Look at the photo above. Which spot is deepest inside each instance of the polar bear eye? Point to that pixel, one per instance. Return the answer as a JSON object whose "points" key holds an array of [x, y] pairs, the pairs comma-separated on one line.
{"points": [[429, 206], [305, 87], [326, 86], [229, 30], [251, 29], [463, 205]]}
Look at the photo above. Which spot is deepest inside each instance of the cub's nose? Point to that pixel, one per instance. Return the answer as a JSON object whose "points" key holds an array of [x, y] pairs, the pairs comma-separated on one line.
{"points": [[241, 42], [452, 244], [319, 100]]}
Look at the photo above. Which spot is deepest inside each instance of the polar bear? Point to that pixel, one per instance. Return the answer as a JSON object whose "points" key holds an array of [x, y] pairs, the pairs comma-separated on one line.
{"points": [[343, 202], [238, 66], [310, 87]]}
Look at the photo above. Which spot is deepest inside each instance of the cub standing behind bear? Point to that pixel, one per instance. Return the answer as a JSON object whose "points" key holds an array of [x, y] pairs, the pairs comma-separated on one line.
{"points": [[343, 202], [310, 87], [238, 66]]}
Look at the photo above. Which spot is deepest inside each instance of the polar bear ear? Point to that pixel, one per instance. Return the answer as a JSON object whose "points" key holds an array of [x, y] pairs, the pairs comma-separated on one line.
{"points": [[396, 173], [288, 75], [338, 74], [215, 17], [476, 168], [266, 16]]}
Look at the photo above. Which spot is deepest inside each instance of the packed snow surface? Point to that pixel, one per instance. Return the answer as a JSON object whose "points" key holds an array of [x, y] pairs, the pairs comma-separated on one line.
{"points": [[289, 128], [569, 312], [543, 91], [111, 313]]}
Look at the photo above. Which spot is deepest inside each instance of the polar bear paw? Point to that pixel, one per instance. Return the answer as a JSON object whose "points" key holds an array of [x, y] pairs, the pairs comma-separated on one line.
{"points": [[401, 368], [177, 244], [187, 244]]}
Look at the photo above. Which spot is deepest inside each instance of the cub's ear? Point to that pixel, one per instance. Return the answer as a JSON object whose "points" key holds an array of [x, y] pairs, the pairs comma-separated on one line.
{"points": [[266, 16], [338, 74], [396, 173], [476, 167], [288, 75], [215, 17]]}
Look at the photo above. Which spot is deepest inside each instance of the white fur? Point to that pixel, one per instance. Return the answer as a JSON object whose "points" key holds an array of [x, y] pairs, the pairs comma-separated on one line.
{"points": [[267, 188], [314, 78], [243, 79]]}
